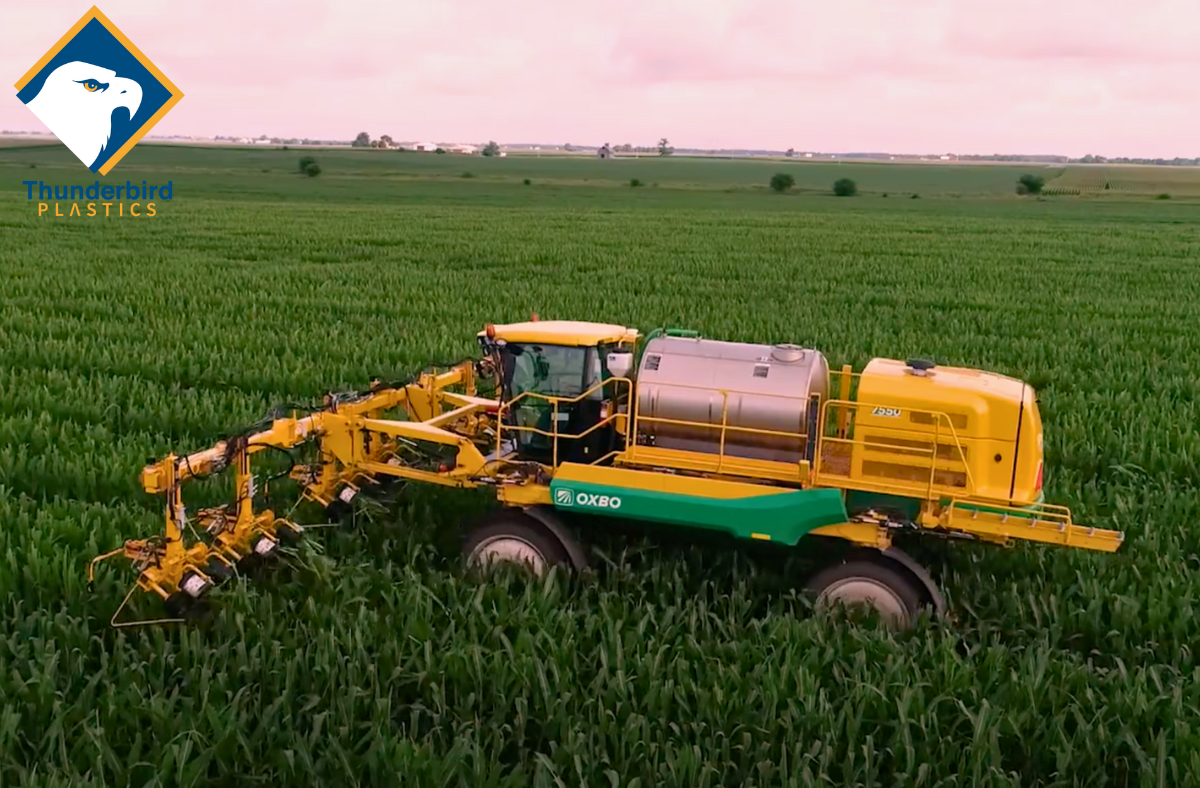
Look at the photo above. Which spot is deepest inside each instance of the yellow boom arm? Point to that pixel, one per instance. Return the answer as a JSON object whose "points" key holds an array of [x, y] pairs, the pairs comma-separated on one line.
{"points": [[357, 446]]}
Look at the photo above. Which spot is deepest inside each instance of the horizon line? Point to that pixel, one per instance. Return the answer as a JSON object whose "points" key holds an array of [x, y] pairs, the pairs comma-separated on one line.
{"points": [[808, 153]]}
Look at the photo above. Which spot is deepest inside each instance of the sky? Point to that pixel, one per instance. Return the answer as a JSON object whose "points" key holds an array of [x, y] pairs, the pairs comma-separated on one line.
{"points": [[1070, 77]]}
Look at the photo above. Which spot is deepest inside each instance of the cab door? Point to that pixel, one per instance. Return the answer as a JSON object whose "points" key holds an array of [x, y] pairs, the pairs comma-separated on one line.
{"points": [[533, 374]]}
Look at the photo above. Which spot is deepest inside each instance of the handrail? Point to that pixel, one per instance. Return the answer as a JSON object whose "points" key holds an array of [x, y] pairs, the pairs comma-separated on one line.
{"points": [[555, 397], [933, 465], [725, 427], [1037, 514], [554, 401], [727, 390], [583, 434], [1040, 511], [635, 419]]}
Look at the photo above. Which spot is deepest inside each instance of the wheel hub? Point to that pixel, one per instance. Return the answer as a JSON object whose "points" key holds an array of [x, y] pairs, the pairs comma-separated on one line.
{"points": [[863, 591], [508, 549]]}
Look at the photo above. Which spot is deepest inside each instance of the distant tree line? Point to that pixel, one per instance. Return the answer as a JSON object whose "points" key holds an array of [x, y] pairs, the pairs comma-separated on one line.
{"points": [[663, 148], [1088, 159], [280, 140], [1175, 162], [363, 140]]}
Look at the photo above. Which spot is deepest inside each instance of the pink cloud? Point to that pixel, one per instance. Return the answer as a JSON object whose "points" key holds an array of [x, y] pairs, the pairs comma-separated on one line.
{"points": [[1108, 76]]}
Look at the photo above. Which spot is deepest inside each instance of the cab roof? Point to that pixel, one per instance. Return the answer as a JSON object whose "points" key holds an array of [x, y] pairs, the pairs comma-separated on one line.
{"points": [[563, 332]]}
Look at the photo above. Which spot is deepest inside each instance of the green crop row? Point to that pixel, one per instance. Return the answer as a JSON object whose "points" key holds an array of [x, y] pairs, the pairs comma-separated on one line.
{"points": [[370, 659]]}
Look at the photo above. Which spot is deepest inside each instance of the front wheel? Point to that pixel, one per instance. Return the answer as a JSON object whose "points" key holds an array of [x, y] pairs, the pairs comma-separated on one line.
{"points": [[865, 583], [510, 537]]}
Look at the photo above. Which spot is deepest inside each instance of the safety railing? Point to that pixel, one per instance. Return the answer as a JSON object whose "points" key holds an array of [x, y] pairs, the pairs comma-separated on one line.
{"points": [[841, 449], [829, 451], [1039, 522], [555, 402], [1036, 513], [636, 419], [844, 382], [724, 427]]}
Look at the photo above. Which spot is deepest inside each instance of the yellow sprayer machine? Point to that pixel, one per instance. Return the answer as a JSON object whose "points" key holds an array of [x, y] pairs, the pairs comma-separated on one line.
{"points": [[761, 442]]}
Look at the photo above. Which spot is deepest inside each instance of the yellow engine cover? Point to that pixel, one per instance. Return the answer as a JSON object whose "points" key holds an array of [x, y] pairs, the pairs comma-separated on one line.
{"points": [[987, 427]]}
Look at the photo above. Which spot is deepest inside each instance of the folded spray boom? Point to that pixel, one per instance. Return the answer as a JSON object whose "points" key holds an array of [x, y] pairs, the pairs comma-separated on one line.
{"points": [[357, 447]]}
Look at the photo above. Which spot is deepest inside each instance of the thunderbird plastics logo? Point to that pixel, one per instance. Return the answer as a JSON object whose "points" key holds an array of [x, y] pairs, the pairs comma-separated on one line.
{"points": [[97, 92]]}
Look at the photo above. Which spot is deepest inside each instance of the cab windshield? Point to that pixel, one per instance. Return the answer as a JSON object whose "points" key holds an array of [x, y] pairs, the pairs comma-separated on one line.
{"points": [[554, 430], [552, 370]]}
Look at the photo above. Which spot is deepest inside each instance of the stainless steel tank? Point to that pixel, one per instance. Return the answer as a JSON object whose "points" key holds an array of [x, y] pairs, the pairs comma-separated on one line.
{"points": [[681, 378]]}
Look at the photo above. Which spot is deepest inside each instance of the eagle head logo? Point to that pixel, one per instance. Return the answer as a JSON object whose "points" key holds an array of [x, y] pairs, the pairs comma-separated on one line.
{"points": [[77, 102], [97, 92]]}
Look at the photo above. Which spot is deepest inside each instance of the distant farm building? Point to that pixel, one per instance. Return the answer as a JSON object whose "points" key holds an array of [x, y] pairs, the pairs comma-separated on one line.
{"points": [[605, 152], [425, 146], [464, 149]]}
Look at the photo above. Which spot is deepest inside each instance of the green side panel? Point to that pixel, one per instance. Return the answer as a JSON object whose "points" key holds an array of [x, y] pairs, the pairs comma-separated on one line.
{"points": [[860, 501], [783, 517]]}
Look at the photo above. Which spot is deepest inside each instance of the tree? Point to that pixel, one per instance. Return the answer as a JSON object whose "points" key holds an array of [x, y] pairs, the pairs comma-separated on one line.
{"points": [[386, 141], [845, 187], [790, 152], [782, 181], [491, 149], [1030, 184], [362, 140], [664, 147], [309, 166]]}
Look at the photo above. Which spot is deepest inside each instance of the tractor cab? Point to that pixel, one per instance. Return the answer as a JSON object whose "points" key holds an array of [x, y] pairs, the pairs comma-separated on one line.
{"points": [[556, 389]]}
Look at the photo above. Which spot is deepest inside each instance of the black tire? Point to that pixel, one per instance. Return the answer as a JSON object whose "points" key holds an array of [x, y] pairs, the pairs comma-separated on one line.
{"points": [[899, 599], [218, 571], [177, 605], [252, 565], [288, 535], [505, 532]]}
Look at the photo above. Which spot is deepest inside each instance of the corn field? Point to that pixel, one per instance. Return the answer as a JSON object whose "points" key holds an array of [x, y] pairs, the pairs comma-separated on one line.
{"points": [[1125, 180], [370, 658]]}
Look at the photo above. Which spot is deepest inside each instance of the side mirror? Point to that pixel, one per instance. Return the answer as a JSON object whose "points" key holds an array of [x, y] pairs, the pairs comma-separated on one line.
{"points": [[619, 364]]}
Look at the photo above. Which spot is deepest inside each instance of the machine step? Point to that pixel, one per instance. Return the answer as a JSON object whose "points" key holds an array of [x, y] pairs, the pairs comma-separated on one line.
{"points": [[1041, 523]]}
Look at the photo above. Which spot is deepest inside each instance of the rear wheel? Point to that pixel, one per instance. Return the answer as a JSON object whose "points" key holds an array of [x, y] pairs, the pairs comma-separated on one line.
{"points": [[513, 538], [865, 583]]}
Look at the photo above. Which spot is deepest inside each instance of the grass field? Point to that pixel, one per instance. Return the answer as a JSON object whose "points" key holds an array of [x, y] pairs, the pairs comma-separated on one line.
{"points": [[384, 168], [26, 142], [1170, 181], [372, 662]]}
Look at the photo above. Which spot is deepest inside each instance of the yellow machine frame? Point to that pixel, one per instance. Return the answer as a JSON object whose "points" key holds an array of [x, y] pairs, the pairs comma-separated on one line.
{"points": [[358, 446]]}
